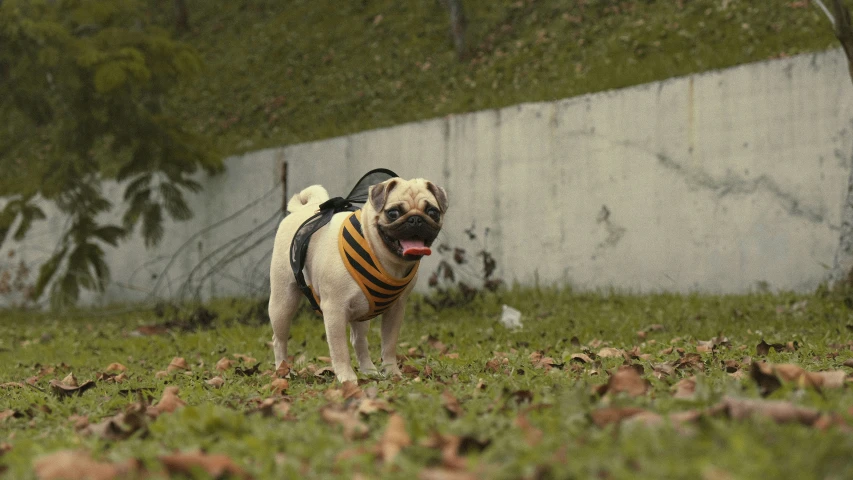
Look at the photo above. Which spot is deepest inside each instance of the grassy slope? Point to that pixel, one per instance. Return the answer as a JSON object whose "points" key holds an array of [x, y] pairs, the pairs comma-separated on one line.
{"points": [[287, 72], [570, 447]]}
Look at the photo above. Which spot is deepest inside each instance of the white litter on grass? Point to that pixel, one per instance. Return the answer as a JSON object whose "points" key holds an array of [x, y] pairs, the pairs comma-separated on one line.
{"points": [[510, 317]]}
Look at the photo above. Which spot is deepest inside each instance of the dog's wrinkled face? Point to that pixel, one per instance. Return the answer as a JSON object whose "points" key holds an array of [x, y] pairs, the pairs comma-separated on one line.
{"points": [[409, 215]]}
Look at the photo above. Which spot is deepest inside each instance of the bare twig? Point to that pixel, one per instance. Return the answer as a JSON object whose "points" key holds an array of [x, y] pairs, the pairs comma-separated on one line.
{"points": [[826, 12]]}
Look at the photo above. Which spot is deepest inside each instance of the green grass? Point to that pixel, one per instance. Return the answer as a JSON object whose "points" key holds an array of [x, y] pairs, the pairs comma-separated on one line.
{"points": [[561, 399], [286, 72]]}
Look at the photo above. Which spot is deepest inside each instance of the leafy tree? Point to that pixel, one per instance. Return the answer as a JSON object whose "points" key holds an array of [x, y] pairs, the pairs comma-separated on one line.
{"points": [[82, 89]]}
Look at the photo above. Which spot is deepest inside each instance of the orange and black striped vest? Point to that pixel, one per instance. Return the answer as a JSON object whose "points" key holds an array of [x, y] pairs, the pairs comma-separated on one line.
{"points": [[380, 288]]}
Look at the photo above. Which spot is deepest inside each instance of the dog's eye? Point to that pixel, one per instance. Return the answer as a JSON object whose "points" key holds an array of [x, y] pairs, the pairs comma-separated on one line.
{"points": [[434, 214], [392, 214]]}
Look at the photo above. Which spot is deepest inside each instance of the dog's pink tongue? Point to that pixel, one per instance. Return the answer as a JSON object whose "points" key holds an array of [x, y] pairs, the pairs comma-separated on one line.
{"points": [[414, 247]]}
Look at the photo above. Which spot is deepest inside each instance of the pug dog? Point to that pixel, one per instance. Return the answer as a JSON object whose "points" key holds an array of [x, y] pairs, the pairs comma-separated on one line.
{"points": [[355, 278]]}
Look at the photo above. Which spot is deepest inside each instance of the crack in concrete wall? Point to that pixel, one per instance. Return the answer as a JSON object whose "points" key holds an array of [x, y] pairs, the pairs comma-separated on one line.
{"points": [[733, 184]]}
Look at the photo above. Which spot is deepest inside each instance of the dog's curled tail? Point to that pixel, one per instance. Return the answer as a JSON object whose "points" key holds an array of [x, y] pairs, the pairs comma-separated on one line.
{"points": [[315, 194]]}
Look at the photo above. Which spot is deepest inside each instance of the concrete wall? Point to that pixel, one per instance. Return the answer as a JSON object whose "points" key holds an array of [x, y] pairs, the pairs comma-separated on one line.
{"points": [[718, 182]]}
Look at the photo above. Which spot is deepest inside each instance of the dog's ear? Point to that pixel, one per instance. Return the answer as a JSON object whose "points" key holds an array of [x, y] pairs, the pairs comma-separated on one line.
{"points": [[378, 193], [439, 194]]}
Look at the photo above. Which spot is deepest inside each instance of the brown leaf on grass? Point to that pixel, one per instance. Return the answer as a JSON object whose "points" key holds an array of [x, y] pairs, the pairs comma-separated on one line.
{"points": [[731, 366], [451, 404], [436, 344], [532, 434], [120, 426], [771, 376], [367, 406], [690, 361], [685, 388], [79, 465], [6, 414], [394, 439], [661, 370], [215, 465], [627, 380], [283, 370], [279, 385], [539, 360], [607, 415], [449, 447], [610, 352], [248, 371], [848, 363], [409, 370], [80, 421], [581, 357], [445, 474], [115, 367], [274, 406], [224, 364], [347, 418], [245, 358], [762, 373], [69, 386], [324, 372], [777, 410], [763, 348], [170, 401], [216, 382], [350, 390], [12, 385], [177, 363]]}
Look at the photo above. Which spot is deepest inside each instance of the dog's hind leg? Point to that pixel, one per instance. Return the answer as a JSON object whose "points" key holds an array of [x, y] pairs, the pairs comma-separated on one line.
{"points": [[284, 301], [358, 335]]}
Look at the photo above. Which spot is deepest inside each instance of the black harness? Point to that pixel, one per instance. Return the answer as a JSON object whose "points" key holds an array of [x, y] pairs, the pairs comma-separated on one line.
{"points": [[327, 209]]}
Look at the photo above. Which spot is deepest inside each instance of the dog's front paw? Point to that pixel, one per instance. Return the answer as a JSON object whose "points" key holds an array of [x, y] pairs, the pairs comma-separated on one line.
{"points": [[368, 369], [391, 370], [346, 375]]}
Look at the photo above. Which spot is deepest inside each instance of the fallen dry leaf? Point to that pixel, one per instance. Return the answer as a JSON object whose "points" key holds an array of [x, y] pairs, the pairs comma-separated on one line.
{"points": [[607, 415], [394, 439], [770, 377], [69, 386], [215, 465], [626, 379], [367, 406], [215, 382], [248, 371], [347, 418], [177, 363], [609, 352], [324, 372], [532, 434], [79, 465], [685, 388], [115, 367], [283, 370], [224, 364], [244, 358], [279, 385], [777, 410], [449, 447], [351, 390], [451, 404], [274, 407], [170, 401], [8, 414]]}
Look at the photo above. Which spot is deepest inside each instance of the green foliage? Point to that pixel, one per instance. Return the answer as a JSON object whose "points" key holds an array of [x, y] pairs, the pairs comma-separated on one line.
{"points": [[86, 83], [303, 70]]}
